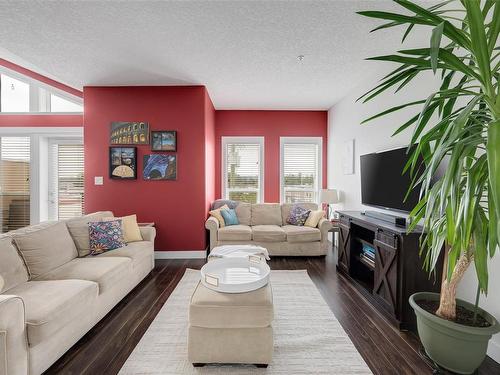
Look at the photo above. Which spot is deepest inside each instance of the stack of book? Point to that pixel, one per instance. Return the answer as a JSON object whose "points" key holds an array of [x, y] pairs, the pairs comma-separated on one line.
{"points": [[368, 254]]}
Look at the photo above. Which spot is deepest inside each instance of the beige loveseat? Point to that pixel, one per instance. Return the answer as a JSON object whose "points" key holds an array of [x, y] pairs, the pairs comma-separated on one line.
{"points": [[265, 224], [51, 294]]}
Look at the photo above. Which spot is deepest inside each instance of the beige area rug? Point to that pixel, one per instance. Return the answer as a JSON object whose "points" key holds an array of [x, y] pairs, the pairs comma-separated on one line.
{"points": [[308, 339]]}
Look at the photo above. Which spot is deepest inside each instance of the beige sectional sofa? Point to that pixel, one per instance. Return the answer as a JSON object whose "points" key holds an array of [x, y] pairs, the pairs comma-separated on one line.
{"points": [[265, 224], [51, 293]]}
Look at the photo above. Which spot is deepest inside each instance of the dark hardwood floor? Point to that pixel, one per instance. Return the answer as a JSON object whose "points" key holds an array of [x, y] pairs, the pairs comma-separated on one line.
{"points": [[105, 348]]}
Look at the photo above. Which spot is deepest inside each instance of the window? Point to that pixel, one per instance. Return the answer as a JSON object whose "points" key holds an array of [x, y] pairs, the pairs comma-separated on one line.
{"points": [[242, 168], [301, 169], [14, 182], [19, 93], [15, 95], [67, 183], [58, 104]]}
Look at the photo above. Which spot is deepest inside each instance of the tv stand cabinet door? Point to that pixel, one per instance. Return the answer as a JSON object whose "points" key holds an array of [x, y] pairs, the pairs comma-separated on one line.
{"points": [[385, 286], [344, 250]]}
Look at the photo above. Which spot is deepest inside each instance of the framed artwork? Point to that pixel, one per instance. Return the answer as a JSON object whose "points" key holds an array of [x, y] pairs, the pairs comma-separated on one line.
{"points": [[160, 167], [348, 157], [129, 133], [123, 163], [164, 140]]}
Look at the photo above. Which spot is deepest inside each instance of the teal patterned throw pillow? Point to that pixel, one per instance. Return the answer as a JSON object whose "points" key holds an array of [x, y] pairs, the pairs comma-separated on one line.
{"points": [[105, 235], [230, 217]]}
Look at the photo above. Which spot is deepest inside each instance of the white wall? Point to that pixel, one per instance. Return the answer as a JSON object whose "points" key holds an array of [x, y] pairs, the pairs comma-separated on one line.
{"points": [[344, 120]]}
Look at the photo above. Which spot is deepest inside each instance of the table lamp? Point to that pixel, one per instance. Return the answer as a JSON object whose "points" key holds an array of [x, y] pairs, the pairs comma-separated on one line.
{"points": [[330, 196]]}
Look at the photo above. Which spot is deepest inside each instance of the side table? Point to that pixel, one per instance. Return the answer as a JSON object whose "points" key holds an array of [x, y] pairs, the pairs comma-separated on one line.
{"points": [[335, 229]]}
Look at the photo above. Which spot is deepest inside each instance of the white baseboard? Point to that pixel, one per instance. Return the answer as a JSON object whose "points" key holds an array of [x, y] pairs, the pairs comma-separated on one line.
{"points": [[494, 350], [187, 254]]}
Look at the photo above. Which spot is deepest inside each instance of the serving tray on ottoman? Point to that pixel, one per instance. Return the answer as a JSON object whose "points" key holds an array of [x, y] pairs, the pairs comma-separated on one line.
{"points": [[235, 275], [230, 327]]}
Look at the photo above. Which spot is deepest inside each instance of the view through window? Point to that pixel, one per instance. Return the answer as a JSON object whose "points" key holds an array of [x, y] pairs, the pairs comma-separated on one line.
{"points": [[301, 170], [243, 172], [14, 182], [67, 197]]}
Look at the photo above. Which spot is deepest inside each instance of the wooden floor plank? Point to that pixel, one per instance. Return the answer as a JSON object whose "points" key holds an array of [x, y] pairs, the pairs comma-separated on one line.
{"points": [[105, 348]]}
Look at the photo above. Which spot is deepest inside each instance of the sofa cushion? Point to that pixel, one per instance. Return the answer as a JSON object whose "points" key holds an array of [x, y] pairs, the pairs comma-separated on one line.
{"points": [[266, 214], [301, 234], [217, 214], [244, 213], [105, 236], [105, 271], [314, 218], [298, 215], [137, 251], [45, 247], [12, 269], [212, 309], [286, 207], [235, 233], [130, 228], [268, 233], [230, 217], [79, 230], [52, 305]]}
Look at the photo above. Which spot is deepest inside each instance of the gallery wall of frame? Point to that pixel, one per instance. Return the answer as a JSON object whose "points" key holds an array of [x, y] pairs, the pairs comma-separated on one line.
{"points": [[125, 136]]}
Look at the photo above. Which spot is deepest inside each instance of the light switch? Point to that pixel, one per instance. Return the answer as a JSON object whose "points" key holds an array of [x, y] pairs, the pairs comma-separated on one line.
{"points": [[98, 180]]}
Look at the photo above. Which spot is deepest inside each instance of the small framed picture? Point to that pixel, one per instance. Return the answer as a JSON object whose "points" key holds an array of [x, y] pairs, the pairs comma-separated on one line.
{"points": [[123, 163], [160, 167], [164, 140]]}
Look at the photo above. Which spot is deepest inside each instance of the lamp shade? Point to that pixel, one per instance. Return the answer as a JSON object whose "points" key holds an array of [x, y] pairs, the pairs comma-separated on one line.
{"points": [[330, 196]]}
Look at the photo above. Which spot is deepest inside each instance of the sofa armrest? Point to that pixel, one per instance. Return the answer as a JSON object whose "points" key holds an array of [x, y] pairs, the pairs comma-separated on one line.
{"points": [[148, 233], [212, 224], [13, 340], [324, 226]]}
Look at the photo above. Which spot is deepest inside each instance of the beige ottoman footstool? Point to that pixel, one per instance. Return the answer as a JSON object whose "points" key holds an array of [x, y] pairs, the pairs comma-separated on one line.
{"points": [[230, 327]]}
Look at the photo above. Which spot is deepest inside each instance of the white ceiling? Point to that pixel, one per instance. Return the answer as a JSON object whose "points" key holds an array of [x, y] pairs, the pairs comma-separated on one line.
{"points": [[244, 52]]}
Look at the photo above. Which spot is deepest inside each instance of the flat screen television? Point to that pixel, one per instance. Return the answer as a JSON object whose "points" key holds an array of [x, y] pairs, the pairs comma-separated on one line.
{"points": [[383, 183]]}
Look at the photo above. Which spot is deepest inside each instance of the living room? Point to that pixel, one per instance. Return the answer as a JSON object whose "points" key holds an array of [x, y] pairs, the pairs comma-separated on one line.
{"points": [[250, 187]]}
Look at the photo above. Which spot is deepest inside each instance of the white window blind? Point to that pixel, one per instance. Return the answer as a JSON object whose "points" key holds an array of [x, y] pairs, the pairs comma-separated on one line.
{"points": [[68, 187], [242, 169], [14, 182], [300, 170]]}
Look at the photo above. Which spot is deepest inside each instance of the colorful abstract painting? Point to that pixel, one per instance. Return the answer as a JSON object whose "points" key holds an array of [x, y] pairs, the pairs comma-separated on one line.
{"points": [[160, 167]]}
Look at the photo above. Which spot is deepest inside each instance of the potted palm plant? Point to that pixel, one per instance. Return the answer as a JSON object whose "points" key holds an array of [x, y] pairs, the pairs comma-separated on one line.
{"points": [[459, 124]]}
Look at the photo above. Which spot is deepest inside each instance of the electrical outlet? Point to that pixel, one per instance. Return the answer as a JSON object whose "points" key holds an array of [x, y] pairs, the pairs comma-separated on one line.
{"points": [[98, 180]]}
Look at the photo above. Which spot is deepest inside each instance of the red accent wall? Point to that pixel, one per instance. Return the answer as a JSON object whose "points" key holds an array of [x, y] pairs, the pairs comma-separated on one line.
{"points": [[178, 208], [271, 125]]}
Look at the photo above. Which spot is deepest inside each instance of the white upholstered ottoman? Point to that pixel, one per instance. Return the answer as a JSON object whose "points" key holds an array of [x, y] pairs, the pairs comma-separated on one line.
{"points": [[230, 327]]}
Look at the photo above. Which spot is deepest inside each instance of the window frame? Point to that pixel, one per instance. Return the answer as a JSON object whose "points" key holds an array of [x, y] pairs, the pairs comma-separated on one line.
{"points": [[302, 140], [243, 140]]}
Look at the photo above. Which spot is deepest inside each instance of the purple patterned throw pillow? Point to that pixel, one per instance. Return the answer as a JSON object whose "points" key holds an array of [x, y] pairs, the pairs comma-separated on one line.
{"points": [[105, 235], [298, 216]]}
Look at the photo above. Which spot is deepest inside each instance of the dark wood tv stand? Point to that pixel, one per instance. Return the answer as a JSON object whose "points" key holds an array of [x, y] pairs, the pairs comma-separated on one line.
{"points": [[397, 272]]}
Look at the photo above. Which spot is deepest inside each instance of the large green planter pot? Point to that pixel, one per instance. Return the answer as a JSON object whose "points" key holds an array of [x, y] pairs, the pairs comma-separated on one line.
{"points": [[453, 346]]}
